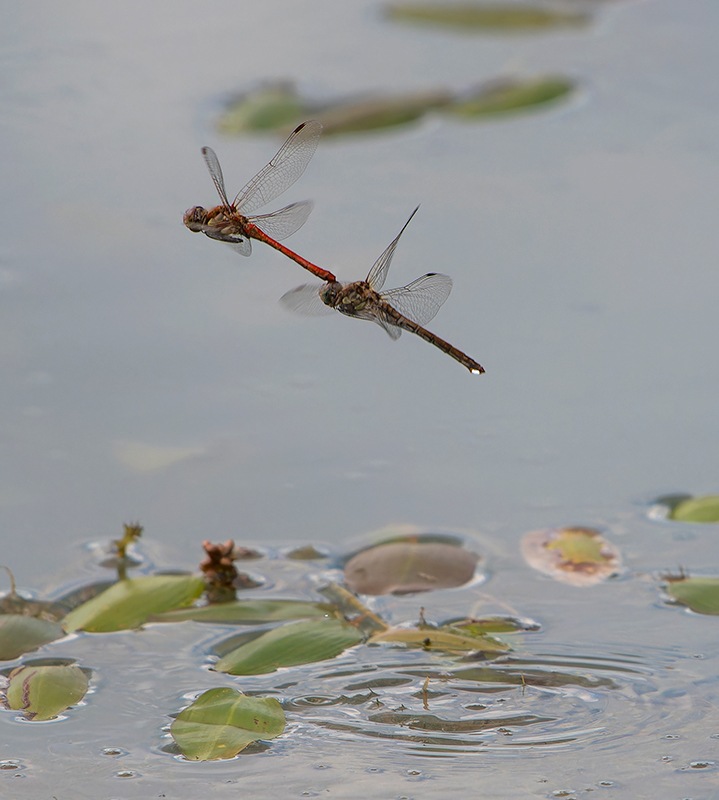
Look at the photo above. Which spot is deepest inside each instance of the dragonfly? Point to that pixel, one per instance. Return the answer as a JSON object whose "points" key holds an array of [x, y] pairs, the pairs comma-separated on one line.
{"points": [[231, 223], [408, 308]]}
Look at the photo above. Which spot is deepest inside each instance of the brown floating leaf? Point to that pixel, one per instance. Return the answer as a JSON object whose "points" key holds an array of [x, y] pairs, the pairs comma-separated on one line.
{"points": [[403, 567], [579, 556]]}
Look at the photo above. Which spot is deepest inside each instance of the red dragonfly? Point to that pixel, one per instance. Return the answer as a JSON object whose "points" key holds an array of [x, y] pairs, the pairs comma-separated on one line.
{"points": [[229, 222], [407, 308]]}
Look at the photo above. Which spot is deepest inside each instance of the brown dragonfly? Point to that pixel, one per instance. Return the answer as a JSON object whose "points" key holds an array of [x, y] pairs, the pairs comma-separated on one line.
{"points": [[229, 222], [408, 308]]}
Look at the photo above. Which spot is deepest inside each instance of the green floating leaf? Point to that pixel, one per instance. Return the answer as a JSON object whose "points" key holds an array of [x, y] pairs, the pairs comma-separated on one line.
{"points": [[290, 645], [409, 567], [43, 691], [487, 16], [273, 106], [699, 594], [697, 509], [505, 96], [447, 640], [130, 603], [223, 721], [246, 612], [20, 634]]}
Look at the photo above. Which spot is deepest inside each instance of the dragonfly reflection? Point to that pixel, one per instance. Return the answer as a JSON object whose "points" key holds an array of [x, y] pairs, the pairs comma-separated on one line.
{"points": [[408, 308]]}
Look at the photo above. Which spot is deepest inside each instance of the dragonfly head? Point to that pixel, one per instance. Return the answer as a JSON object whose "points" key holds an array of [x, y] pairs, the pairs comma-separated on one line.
{"points": [[330, 294], [195, 218]]}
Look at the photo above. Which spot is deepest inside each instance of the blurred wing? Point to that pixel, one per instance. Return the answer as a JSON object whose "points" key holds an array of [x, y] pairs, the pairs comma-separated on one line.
{"points": [[283, 223], [305, 300], [378, 274], [421, 299], [240, 244], [284, 169], [215, 170]]}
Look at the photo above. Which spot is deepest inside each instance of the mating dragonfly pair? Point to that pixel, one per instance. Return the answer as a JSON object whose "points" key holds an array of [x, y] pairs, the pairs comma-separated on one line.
{"points": [[408, 308]]}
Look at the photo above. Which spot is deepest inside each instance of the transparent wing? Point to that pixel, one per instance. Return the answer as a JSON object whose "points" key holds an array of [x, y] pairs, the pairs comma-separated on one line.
{"points": [[284, 169], [283, 223], [240, 244], [421, 299], [305, 300], [215, 170], [378, 274], [374, 314]]}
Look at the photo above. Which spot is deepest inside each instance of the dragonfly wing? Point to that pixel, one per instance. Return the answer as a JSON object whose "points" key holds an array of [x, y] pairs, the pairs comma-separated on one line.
{"points": [[421, 299], [240, 244], [305, 300], [215, 170], [374, 314], [378, 274], [284, 169], [283, 223]]}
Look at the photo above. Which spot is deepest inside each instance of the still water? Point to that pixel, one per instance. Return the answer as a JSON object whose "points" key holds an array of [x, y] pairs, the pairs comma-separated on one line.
{"points": [[152, 375]]}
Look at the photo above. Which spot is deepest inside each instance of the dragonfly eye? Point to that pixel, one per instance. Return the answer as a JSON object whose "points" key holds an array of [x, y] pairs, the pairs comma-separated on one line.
{"points": [[194, 218]]}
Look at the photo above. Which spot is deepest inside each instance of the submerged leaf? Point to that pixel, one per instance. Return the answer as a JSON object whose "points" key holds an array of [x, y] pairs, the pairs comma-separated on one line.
{"points": [[130, 603], [290, 645], [246, 612], [697, 509], [504, 96], [20, 634], [579, 556], [699, 594], [223, 721], [42, 691], [487, 16], [409, 567], [448, 640]]}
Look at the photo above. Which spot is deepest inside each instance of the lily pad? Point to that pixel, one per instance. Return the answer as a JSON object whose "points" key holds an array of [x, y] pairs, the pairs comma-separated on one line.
{"points": [[131, 602], [20, 634], [579, 556], [512, 94], [223, 721], [498, 17], [289, 645], [697, 509], [43, 691], [246, 612], [698, 594], [403, 567]]}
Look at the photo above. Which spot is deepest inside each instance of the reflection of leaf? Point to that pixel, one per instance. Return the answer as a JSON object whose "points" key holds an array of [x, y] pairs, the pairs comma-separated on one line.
{"points": [[20, 634], [43, 691], [289, 645], [697, 509], [245, 612], [409, 567], [503, 96], [580, 556], [487, 16], [449, 640], [129, 603], [699, 594], [223, 721]]}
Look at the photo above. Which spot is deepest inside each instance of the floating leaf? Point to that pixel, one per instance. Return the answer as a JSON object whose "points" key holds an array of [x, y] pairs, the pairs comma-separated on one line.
{"points": [[699, 594], [42, 691], [579, 556], [223, 721], [409, 567], [448, 640], [487, 16], [508, 95], [246, 612], [20, 634], [290, 645], [697, 509], [272, 106], [130, 603]]}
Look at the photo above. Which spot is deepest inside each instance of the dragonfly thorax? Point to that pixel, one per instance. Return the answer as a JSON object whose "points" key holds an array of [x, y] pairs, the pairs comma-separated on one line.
{"points": [[350, 298]]}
